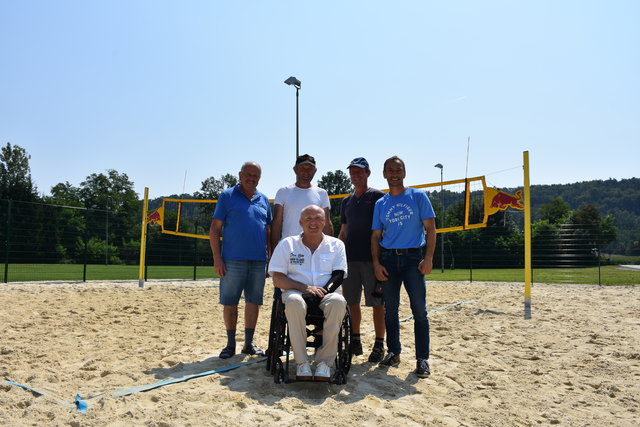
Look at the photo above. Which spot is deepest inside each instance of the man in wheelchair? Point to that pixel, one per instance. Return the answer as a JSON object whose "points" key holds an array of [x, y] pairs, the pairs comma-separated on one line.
{"points": [[307, 268]]}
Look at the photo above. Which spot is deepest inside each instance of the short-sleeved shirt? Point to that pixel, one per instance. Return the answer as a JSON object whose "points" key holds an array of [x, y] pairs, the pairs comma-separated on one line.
{"points": [[293, 199], [357, 214], [400, 219], [244, 233], [293, 259]]}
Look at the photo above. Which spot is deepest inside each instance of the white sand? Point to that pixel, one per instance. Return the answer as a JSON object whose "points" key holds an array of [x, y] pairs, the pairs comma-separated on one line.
{"points": [[577, 362]]}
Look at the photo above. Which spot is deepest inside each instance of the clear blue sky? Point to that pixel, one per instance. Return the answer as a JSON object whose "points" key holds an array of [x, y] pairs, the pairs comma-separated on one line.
{"points": [[157, 89]]}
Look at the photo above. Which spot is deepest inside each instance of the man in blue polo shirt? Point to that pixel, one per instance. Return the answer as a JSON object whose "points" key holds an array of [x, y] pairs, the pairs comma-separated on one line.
{"points": [[243, 217], [402, 255]]}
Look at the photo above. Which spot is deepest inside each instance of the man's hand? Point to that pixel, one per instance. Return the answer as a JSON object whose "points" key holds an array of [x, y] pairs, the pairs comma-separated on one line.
{"points": [[220, 268], [425, 266], [381, 273], [316, 291]]}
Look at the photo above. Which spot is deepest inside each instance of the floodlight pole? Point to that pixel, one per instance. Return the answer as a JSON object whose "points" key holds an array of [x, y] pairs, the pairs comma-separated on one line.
{"points": [[297, 123], [292, 81], [439, 166]]}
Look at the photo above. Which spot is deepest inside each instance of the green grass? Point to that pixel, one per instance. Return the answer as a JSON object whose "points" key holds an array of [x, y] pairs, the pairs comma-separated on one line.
{"points": [[74, 272], [609, 275]]}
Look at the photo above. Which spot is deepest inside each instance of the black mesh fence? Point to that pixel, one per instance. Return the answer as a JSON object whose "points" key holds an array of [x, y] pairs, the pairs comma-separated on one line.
{"points": [[41, 242], [44, 242]]}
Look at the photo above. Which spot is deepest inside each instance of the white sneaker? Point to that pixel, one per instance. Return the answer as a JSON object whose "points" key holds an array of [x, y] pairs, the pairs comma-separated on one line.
{"points": [[303, 373], [323, 372]]}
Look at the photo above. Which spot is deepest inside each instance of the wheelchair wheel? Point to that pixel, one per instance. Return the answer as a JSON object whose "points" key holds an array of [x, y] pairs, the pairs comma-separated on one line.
{"points": [[278, 344], [339, 378], [279, 374], [270, 349], [344, 356]]}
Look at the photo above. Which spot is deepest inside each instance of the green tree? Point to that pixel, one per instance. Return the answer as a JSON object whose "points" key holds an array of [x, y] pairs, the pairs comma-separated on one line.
{"points": [[15, 174], [66, 194], [210, 190], [212, 187], [555, 212], [336, 183], [112, 191], [114, 210], [592, 227]]}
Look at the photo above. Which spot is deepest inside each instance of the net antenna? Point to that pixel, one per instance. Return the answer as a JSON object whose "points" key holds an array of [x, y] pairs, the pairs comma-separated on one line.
{"points": [[466, 168], [184, 181]]}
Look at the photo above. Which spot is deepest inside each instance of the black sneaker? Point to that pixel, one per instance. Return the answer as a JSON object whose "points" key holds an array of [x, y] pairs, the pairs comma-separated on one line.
{"points": [[376, 354], [253, 350], [356, 347], [391, 359], [422, 368]]}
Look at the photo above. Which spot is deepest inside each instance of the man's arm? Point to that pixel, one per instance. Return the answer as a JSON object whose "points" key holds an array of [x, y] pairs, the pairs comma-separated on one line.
{"points": [[214, 242], [284, 282], [379, 270], [328, 225], [426, 265], [276, 225], [269, 246], [343, 233]]}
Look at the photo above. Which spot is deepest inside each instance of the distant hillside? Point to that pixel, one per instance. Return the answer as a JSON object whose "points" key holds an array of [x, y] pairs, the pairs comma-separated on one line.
{"points": [[620, 199], [611, 196]]}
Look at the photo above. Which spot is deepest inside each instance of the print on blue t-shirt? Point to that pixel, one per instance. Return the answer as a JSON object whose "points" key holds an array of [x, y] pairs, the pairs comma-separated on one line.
{"points": [[400, 219]]}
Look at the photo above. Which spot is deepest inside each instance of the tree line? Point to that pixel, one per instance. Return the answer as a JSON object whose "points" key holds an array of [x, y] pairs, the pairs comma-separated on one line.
{"points": [[99, 220]]}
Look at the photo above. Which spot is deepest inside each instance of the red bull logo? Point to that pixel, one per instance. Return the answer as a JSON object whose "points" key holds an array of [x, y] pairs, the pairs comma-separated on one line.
{"points": [[156, 216], [496, 200]]}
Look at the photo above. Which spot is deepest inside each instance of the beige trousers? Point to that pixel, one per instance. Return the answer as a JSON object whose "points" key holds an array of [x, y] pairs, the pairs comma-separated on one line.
{"points": [[334, 308]]}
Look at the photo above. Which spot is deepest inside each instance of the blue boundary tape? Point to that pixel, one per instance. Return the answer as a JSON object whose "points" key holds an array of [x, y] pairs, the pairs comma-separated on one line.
{"points": [[82, 403], [74, 405], [126, 392]]}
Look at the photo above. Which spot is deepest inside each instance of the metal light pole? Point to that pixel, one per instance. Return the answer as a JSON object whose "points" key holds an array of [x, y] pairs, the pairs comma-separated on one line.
{"points": [[439, 166], [292, 81]]}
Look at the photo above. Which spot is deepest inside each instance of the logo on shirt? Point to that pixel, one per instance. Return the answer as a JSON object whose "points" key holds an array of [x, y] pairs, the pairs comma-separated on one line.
{"points": [[398, 213], [296, 259]]}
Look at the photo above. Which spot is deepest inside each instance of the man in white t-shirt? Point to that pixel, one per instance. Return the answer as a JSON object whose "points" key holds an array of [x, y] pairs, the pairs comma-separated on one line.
{"points": [[290, 200], [303, 264]]}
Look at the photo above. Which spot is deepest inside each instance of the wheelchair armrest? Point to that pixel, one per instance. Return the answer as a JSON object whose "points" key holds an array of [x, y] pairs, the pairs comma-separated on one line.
{"points": [[335, 281]]}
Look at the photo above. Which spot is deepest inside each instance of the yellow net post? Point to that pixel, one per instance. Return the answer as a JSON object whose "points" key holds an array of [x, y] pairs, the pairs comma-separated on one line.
{"points": [[143, 237], [527, 238]]}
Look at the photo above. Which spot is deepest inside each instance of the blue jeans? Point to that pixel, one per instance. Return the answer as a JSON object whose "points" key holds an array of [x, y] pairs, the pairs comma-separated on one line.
{"points": [[404, 269], [248, 276]]}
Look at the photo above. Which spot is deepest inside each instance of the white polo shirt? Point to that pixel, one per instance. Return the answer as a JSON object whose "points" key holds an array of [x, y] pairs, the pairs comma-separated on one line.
{"points": [[293, 259]]}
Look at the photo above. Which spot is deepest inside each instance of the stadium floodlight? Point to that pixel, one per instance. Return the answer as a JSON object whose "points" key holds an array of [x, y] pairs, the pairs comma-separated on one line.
{"points": [[439, 166], [292, 81]]}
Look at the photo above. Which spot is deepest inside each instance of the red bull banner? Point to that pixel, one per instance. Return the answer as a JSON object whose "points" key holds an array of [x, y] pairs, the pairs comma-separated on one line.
{"points": [[496, 200], [157, 216]]}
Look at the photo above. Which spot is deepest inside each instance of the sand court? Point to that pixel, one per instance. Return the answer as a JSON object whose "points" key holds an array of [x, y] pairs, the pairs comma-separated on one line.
{"points": [[576, 362]]}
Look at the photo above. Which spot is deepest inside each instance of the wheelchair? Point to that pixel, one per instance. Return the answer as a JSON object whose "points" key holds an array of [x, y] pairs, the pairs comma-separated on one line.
{"points": [[279, 350]]}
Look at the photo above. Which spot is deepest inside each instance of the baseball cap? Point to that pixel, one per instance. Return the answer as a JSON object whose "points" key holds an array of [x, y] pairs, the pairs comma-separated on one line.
{"points": [[305, 158], [360, 162]]}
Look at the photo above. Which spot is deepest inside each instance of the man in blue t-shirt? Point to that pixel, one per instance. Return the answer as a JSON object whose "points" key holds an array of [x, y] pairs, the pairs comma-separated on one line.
{"points": [[400, 255], [242, 218]]}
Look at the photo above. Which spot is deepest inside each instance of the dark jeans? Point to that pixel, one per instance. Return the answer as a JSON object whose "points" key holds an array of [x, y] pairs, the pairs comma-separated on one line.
{"points": [[404, 269]]}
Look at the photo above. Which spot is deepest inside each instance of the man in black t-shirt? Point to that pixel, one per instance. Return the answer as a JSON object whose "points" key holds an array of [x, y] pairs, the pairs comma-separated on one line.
{"points": [[356, 217]]}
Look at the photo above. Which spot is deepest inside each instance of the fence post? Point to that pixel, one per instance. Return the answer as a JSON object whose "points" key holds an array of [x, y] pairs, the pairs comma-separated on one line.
{"points": [[471, 260], [195, 252], [7, 242], [86, 244]]}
